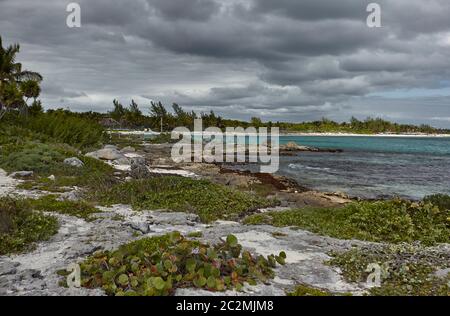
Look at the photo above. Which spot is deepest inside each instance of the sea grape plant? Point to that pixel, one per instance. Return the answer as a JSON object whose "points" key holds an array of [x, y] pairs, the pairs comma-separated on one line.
{"points": [[157, 266]]}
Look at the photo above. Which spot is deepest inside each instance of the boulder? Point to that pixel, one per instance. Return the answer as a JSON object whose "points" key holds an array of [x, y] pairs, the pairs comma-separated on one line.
{"points": [[106, 154], [22, 174], [128, 149], [122, 161], [293, 146], [74, 162], [110, 147], [70, 196], [139, 169]]}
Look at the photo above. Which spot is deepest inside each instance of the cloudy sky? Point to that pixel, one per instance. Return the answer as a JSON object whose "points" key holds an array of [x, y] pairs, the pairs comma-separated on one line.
{"points": [[290, 60]]}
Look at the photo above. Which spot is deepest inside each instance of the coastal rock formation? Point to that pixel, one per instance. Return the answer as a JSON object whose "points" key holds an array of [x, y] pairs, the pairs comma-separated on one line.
{"points": [[74, 162], [292, 147], [35, 273], [128, 149], [109, 152], [139, 170], [22, 174]]}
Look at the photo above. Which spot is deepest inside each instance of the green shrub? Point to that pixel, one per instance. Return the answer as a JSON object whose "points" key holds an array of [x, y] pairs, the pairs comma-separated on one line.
{"points": [[165, 138], [304, 290], [208, 200], [405, 269], [20, 227], [440, 200], [388, 221], [55, 126], [32, 156], [67, 127], [50, 203], [157, 266]]}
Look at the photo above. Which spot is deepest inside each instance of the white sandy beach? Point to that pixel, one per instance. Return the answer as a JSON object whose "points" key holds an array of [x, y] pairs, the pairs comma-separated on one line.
{"points": [[136, 132]]}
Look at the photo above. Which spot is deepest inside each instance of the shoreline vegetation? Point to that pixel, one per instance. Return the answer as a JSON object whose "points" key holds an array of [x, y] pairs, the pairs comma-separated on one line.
{"points": [[111, 204]]}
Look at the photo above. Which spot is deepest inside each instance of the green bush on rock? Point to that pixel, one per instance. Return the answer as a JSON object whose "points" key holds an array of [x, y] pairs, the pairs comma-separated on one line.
{"points": [[440, 200], [159, 265], [208, 200], [389, 221], [20, 227], [405, 269]]}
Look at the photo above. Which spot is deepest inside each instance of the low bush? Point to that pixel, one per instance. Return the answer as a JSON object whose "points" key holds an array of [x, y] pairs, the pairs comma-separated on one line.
{"points": [[208, 200], [20, 227], [304, 290], [159, 265], [67, 127], [440, 200], [50, 203], [388, 221], [405, 270], [33, 156]]}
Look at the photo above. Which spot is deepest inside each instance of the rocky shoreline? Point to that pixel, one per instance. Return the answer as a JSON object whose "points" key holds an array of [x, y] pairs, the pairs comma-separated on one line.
{"points": [[35, 273]]}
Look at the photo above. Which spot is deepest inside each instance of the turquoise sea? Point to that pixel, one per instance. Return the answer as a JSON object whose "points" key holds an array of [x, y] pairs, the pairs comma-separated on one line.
{"points": [[372, 167]]}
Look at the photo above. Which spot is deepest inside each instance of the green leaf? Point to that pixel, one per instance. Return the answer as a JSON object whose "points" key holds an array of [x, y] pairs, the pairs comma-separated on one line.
{"points": [[200, 281], [168, 265], [158, 283], [191, 264], [232, 241], [123, 280], [211, 282], [211, 253]]}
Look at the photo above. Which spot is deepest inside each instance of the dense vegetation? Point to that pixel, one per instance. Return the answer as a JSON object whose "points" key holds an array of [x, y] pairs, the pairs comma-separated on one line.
{"points": [[162, 119], [208, 200], [17, 85], [159, 265], [405, 269], [50, 203], [20, 226], [58, 126], [388, 221]]}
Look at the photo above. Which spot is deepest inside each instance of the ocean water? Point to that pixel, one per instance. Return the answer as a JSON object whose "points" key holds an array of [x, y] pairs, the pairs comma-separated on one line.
{"points": [[372, 167]]}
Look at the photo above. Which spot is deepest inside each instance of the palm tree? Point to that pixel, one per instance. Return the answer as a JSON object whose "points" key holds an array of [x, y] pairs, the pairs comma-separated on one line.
{"points": [[13, 79]]}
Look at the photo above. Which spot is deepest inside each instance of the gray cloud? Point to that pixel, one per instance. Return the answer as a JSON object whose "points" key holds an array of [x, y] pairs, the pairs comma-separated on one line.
{"points": [[281, 59]]}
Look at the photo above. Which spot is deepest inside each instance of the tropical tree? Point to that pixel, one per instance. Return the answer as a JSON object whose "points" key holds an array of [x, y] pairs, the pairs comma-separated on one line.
{"points": [[17, 86]]}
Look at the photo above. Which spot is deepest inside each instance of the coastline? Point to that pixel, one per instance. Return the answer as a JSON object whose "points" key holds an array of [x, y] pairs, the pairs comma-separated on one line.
{"points": [[293, 134], [367, 135]]}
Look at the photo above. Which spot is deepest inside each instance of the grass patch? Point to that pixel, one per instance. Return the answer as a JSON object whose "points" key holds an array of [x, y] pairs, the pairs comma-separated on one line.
{"points": [[159, 265], [305, 290], [20, 227], [195, 235], [440, 200], [93, 174], [124, 140], [407, 270], [208, 200], [33, 156], [164, 138], [49, 203], [383, 221]]}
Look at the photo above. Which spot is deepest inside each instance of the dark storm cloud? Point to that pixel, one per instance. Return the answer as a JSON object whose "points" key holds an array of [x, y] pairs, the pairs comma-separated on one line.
{"points": [[312, 9], [283, 59], [196, 10]]}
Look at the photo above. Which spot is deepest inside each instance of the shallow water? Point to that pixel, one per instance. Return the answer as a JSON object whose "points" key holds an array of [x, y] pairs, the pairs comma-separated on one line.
{"points": [[372, 167]]}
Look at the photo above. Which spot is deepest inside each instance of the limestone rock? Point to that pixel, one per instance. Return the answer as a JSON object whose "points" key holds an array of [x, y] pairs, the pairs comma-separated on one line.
{"points": [[22, 174], [107, 153], [128, 149], [74, 162], [139, 170]]}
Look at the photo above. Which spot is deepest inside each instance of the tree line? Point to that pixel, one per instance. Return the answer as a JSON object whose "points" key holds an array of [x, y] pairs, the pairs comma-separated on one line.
{"points": [[20, 89]]}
